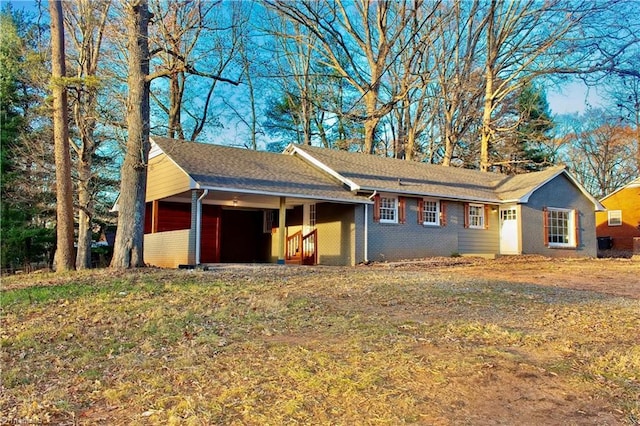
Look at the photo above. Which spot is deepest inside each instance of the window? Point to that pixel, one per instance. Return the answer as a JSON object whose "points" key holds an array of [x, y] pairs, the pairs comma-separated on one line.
{"points": [[560, 227], [430, 212], [615, 217], [476, 216], [312, 215], [388, 210]]}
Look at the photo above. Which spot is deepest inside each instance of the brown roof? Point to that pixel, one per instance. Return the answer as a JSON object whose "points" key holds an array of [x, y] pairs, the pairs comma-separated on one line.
{"points": [[227, 168]]}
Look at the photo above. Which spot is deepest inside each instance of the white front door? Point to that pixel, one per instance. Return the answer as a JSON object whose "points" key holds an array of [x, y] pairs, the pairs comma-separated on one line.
{"points": [[509, 234]]}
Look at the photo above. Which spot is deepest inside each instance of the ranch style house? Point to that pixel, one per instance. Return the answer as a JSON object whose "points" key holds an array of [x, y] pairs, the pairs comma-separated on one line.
{"points": [[308, 205]]}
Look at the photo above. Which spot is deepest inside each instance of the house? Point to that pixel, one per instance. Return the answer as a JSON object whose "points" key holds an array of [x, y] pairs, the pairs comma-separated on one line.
{"points": [[617, 227], [308, 205]]}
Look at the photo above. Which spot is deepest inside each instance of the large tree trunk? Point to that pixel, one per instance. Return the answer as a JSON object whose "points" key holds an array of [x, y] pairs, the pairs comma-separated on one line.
{"points": [[64, 208], [85, 22], [371, 121], [449, 143], [485, 132], [85, 215], [128, 250], [489, 96]]}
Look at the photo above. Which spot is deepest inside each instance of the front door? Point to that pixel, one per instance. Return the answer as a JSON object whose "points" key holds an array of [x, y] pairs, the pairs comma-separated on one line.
{"points": [[509, 235]]}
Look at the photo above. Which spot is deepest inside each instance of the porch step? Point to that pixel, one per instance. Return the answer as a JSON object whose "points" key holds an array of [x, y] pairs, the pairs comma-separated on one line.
{"points": [[482, 255]]}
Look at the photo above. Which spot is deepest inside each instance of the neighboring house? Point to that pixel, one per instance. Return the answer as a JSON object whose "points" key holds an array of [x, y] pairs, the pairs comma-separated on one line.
{"points": [[620, 224], [209, 204]]}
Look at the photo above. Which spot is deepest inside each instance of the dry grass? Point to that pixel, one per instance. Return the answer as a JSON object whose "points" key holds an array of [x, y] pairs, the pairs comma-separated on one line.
{"points": [[429, 343]]}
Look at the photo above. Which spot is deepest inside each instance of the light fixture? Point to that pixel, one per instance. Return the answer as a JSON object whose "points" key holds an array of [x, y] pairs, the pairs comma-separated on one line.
{"points": [[235, 201]]}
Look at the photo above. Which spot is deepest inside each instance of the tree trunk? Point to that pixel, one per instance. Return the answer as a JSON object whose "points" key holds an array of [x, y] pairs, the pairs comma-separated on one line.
{"points": [[176, 92], [128, 250], [64, 194], [485, 131], [369, 135], [85, 215], [85, 24], [449, 144]]}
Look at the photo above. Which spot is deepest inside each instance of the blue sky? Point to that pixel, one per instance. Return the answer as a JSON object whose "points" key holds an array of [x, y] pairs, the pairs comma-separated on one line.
{"points": [[572, 97], [569, 98]]}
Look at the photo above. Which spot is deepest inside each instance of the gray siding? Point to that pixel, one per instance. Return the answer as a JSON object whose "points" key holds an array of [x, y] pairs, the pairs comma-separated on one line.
{"points": [[560, 193], [479, 241]]}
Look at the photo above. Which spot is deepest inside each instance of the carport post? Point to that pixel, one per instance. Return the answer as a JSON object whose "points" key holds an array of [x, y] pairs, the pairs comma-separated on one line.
{"points": [[282, 229], [198, 223]]}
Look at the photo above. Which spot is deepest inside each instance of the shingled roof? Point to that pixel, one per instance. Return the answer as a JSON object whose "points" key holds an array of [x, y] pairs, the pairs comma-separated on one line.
{"points": [[369, 173], [324, 174], [226, 168]]}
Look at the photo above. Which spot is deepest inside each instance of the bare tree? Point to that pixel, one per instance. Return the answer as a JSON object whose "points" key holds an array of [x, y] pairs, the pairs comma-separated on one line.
{"points": [[412, 73], [623, 92], [128, 249], [359, 41], [64, 194], [601, 152], [457, 93], [295, 53], [523, 40], [85, 21], [183, 30]]}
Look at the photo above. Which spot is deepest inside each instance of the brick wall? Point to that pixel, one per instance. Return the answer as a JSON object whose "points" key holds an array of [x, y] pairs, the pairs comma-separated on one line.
{"points": [[389, 242], [560, 193], [167, 249], [628, 201]]}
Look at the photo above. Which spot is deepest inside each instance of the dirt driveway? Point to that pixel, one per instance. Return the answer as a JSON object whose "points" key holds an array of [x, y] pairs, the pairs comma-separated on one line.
{"points": [[620, 277]]}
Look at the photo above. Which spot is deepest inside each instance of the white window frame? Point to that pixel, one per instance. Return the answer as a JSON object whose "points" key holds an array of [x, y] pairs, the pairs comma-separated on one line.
{"points": [[309, 217], [436, 212], [480, 217], [570, 227], [614, 218], [392, 210], [267, 223]]}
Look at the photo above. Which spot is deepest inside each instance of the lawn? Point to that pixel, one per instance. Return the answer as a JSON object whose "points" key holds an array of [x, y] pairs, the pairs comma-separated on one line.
{"points": [[437, 342]]}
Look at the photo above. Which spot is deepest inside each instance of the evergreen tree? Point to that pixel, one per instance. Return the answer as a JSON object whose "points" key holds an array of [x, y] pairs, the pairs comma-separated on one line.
{"points": [[525, 137], [25, 236], [534, 128]]}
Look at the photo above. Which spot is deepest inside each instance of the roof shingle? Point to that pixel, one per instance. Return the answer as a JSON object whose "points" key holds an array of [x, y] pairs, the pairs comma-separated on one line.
{"points": [[227, 168]]}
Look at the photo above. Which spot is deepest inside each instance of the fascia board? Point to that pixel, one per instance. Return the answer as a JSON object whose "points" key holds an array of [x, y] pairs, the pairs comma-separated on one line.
{"points": [[446, 197], [157, 151], [294, 150], [598, 206], [281, 194], [633, 184]]}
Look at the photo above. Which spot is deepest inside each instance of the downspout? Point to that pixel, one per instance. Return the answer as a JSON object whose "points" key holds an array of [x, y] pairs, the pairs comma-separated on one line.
{"points": [[366, 228], [199, 223], [366, 231]]}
